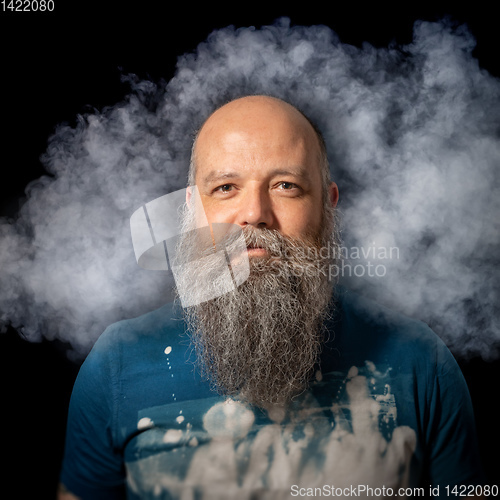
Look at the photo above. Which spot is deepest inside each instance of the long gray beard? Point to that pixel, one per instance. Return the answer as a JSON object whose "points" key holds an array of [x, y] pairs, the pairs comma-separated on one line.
{"points": [[261, 342]]}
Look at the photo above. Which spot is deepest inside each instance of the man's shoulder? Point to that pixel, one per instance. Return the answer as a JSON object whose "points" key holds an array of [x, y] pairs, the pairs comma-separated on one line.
{"points": [[164, 324], [372, 328], [143, 351], [360, 311]]}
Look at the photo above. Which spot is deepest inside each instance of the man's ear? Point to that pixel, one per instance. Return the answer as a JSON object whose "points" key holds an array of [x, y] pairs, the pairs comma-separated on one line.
{"points": [[189, 194], [333, 192]]}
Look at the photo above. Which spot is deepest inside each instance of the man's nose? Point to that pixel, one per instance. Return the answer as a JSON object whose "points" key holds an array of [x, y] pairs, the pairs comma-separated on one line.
{"points": [[256, 209]]}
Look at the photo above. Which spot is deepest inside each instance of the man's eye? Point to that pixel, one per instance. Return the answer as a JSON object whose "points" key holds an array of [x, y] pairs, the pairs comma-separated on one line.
{"points": [[287, 185], [225, 188]]}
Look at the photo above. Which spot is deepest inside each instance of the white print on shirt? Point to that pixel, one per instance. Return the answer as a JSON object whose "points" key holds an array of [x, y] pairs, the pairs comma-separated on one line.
{"points": [[354, 441]]}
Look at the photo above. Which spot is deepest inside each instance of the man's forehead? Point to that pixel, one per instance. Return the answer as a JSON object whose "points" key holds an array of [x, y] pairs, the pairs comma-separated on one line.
{"points": [[255, 142]]}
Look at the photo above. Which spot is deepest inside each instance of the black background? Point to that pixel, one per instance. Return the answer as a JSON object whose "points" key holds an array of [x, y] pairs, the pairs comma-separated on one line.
{"points": [[54, 65]]}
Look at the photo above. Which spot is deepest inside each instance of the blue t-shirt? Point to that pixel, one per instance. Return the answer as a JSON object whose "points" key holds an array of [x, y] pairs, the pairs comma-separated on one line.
{"points": [[387, 409]]}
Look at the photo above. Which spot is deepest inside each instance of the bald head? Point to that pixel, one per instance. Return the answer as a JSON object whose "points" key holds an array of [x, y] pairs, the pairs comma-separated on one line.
{"points": [[254, 118]]}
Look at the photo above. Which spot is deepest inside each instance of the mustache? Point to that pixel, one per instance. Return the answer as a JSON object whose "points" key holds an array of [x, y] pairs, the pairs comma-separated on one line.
{"points": [[268, 239], [272, 240], [234, 240]]}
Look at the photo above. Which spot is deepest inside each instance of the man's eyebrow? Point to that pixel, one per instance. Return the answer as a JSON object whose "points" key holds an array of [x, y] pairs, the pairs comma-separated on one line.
{"points": [[297, 172], [217, 175]]}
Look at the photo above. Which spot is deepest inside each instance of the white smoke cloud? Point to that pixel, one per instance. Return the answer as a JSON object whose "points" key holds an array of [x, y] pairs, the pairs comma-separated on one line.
{"points": [[413, 138]]}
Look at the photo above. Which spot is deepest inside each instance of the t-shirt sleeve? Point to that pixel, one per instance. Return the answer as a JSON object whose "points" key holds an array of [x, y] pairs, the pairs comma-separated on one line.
{"points": [[93, 466], [452, 442]]}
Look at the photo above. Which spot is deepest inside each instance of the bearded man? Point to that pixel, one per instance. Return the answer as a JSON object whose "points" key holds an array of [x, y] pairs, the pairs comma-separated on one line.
{"points": [[297, 387]]}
